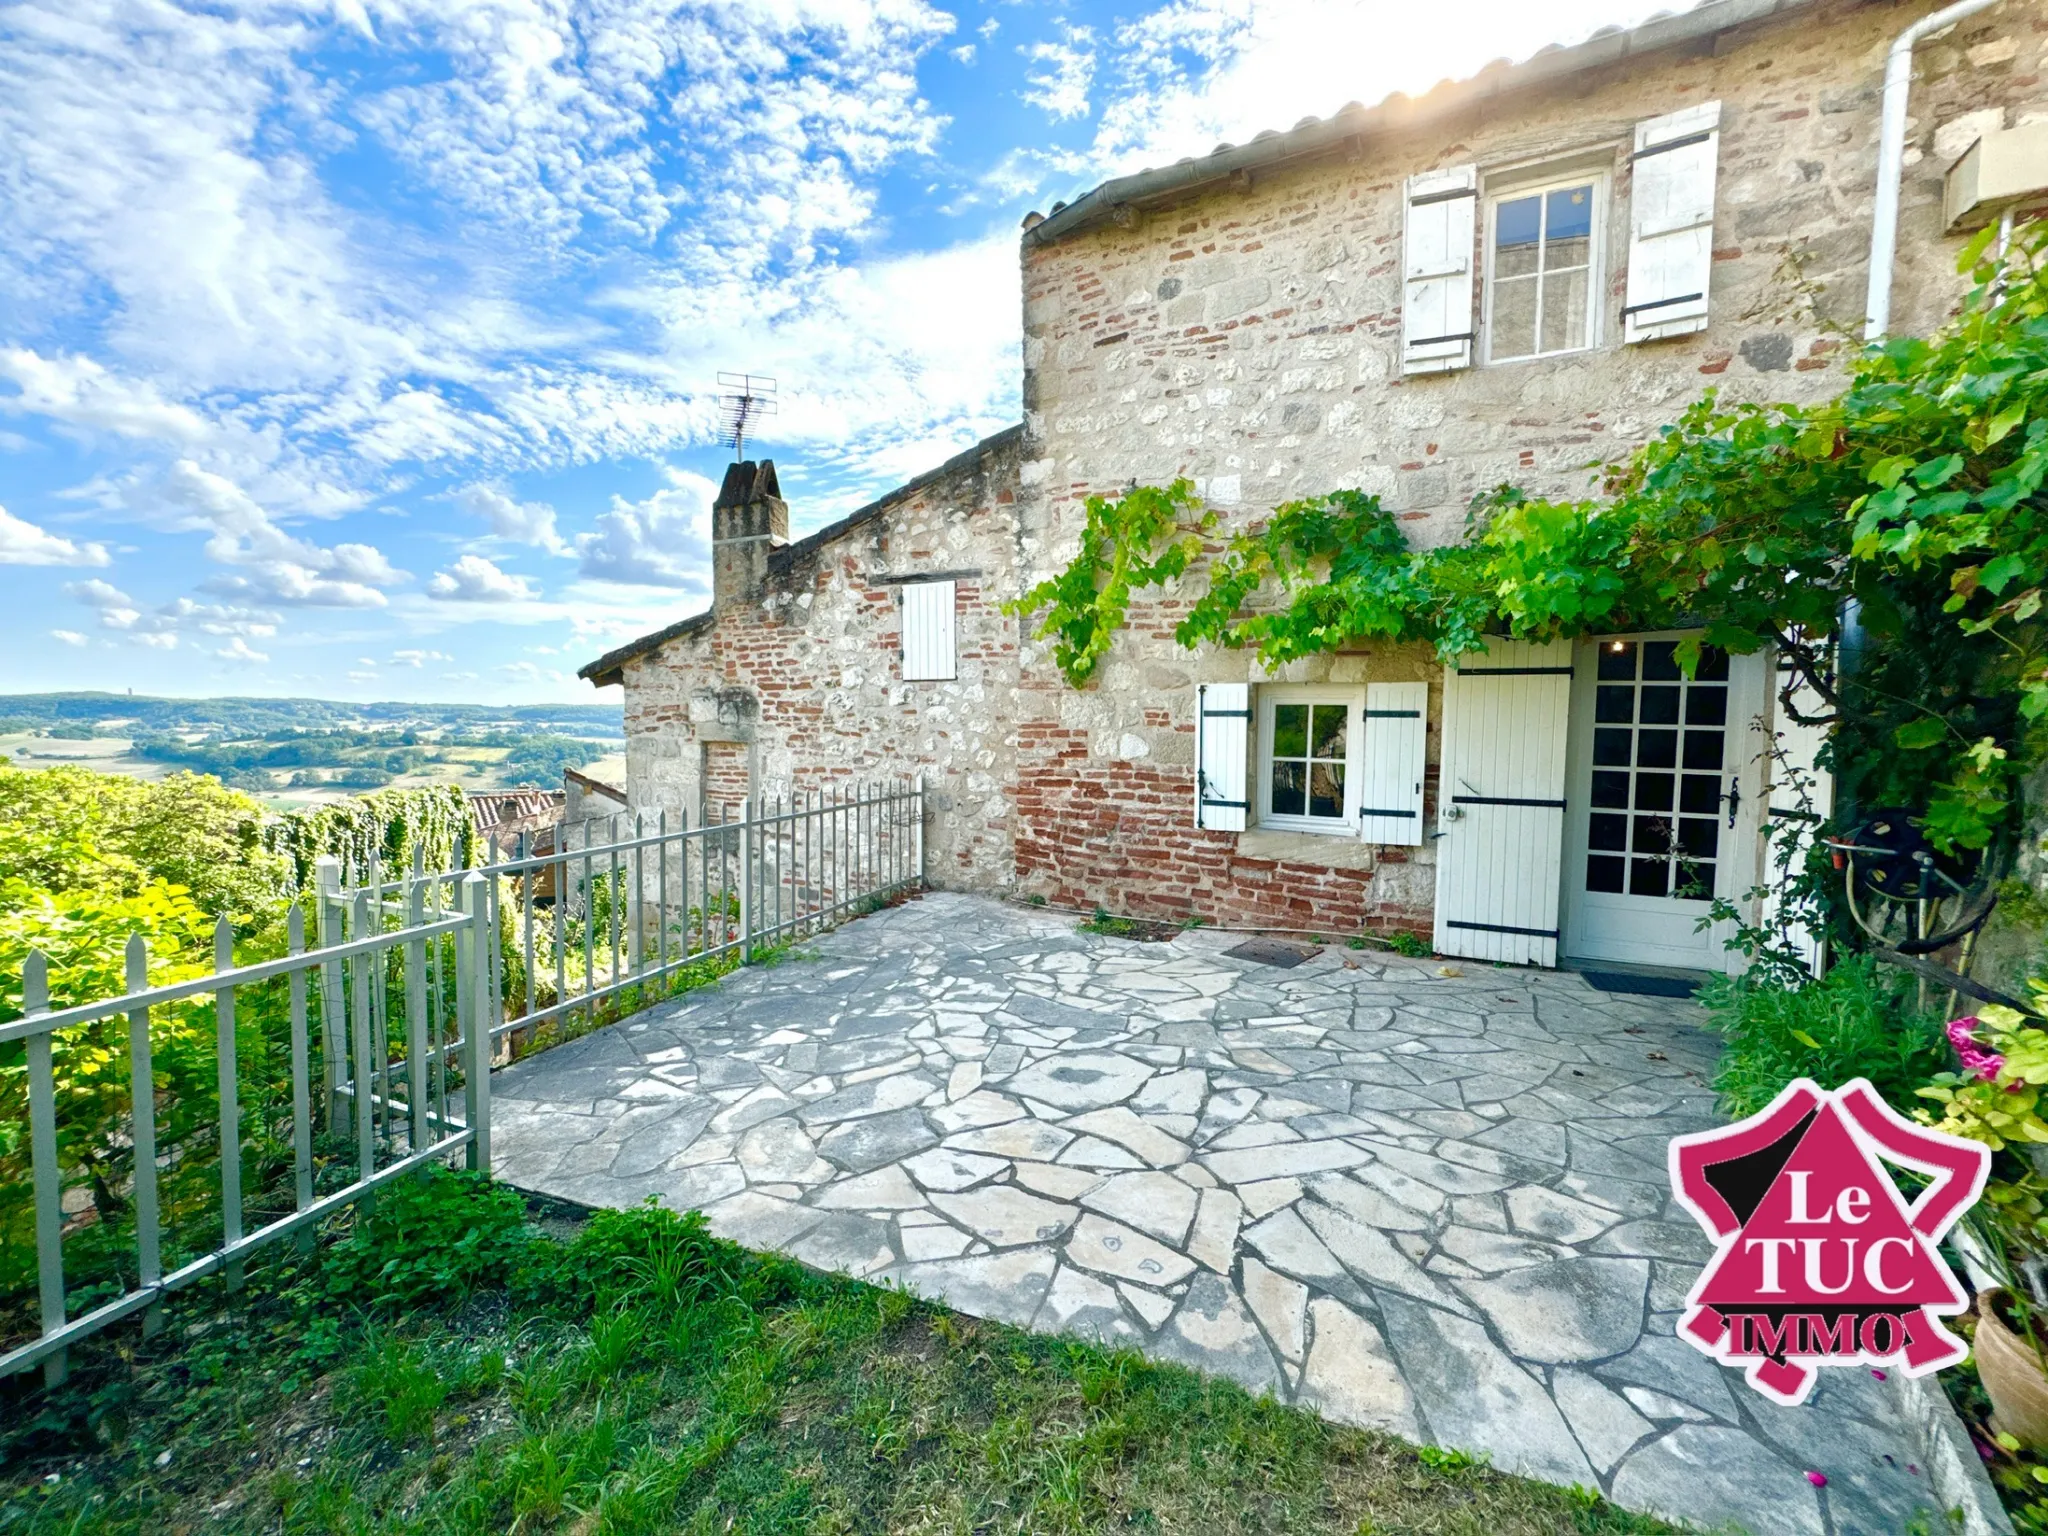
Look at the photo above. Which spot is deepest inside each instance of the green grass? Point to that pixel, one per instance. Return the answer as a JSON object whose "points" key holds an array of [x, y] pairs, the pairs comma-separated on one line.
{"points": [[634, 1375]]}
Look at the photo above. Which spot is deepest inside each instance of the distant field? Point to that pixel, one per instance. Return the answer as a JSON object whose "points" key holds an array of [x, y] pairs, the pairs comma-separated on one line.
{"points": [[296, 752]]}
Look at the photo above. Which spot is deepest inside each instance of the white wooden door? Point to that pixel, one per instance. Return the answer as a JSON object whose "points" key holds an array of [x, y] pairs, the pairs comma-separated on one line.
{"points": [[1501, 801], [1666, 793]]}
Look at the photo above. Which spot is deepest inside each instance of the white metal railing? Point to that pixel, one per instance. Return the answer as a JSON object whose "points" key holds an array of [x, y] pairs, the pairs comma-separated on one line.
{"points": [[621, 903], [356, 1064], [416, 983]]}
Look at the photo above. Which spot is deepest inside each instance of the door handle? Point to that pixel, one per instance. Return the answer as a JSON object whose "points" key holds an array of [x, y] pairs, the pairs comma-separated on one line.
{"points": [[1734, 799]]}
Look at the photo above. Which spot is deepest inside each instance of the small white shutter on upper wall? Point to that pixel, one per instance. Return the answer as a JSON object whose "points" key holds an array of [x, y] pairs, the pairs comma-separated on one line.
{"points": [[928, 632], [1396, 745], [1671, 223], [1223, 719], [1436, 265]]}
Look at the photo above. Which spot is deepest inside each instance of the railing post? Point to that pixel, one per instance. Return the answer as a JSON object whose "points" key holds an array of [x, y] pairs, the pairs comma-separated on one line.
{"points": [[327, 926], [476, 1067], [142, 1134], [917, 831], [416, 1015], [364, 1084], [230, 1101], [302, 1105], [49, 1178], [747, 881]]}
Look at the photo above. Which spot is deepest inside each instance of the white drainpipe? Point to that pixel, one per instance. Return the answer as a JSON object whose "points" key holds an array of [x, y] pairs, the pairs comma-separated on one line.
{"points": [[1891, 160]]}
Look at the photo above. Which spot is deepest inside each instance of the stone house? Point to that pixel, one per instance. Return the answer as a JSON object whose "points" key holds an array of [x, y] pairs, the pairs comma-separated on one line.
{"points": [[1509, 279]]}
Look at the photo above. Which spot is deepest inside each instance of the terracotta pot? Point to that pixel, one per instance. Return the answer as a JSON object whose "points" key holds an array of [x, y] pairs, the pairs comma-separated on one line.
{"points": [[2014, 1376]]}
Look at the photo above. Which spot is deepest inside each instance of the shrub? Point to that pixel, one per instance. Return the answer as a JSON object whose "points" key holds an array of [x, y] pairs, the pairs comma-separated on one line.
{"points": [[1857, 1021], [435, 1238], [644, 1254]]}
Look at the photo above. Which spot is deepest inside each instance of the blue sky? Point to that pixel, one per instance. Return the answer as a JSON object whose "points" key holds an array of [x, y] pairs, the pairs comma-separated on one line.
{"points": [[368, 348]]}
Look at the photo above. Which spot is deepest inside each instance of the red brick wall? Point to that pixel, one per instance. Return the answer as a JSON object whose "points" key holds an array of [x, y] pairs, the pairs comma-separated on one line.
{"points": [[725, 780], [1121, 835]]}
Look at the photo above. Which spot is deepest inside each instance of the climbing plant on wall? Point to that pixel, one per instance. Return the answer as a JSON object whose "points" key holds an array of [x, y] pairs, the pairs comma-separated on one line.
{"points": [[1916, 496], [386, 823]]}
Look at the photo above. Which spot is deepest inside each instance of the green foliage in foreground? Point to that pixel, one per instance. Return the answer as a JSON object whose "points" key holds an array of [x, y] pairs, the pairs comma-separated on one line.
{"points": [[640, 1376], [1859, 1020]]}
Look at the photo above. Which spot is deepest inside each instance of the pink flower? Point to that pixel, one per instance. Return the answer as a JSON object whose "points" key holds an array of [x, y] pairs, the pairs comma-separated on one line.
{"points": [[1983, 1064], [1818, 1479]]}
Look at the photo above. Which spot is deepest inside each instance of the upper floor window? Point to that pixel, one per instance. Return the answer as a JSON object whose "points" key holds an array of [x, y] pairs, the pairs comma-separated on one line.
{"points": [[1543, 259]]}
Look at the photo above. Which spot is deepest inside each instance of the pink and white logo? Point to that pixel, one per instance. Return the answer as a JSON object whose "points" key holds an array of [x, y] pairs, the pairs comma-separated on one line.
{"points": [[1819, 1260]]}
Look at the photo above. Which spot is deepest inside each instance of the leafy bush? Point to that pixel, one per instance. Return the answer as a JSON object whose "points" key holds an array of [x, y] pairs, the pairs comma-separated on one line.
{"points": [[1857, 1021], [70, 828], [439, 1237]]}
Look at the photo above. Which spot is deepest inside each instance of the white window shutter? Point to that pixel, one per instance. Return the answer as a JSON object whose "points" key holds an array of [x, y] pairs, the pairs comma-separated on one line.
{"points": [[1436, 266], [1671, 223], [1500, 802], [928, 650], [1223, 718], [1396, 744]]}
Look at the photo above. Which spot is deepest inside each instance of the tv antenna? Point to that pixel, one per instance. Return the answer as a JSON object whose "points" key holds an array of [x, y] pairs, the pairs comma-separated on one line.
{"points": [[746, 398]]}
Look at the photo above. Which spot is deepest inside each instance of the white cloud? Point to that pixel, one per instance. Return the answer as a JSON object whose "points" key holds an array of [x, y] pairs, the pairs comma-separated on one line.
{"points": [[161, 627], [82, 393], [1062, 72], [522, 522], [964, 54], [473, 579], [23, 543], [410, 658], [70, 637], [238, 650], [530, 672], [279, 567], [662, 541]]}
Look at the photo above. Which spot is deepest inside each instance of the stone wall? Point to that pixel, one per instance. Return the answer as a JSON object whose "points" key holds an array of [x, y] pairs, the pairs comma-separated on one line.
{"points": [[1248, 337], [798, 685]]}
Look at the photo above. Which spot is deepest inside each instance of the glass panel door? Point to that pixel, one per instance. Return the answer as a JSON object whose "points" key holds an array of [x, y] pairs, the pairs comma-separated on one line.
{"points": [[1659, 750], [1661, 800]]}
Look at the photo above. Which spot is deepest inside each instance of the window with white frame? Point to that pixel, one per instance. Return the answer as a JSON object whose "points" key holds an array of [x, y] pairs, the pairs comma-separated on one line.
{"points": [[1308, 750], [1543, 267]]}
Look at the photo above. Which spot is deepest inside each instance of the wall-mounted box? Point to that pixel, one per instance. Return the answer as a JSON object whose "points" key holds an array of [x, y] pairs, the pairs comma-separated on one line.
{"points": [[2005, 167]]}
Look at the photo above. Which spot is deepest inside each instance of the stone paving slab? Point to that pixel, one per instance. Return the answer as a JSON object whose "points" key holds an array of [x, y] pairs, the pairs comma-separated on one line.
{"points": [[1435, 1205]]}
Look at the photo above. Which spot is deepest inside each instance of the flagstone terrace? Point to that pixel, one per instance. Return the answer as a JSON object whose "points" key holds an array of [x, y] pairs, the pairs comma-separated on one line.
{"points": [[1430, 1203]]}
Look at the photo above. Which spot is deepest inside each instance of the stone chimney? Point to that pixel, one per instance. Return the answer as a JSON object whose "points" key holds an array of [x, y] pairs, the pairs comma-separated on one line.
{"points": [[748, 519]]}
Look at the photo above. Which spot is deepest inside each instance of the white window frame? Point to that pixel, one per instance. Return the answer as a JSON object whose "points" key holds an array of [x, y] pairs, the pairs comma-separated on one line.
{"points": [[1270, 695], [1538, 185]]}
